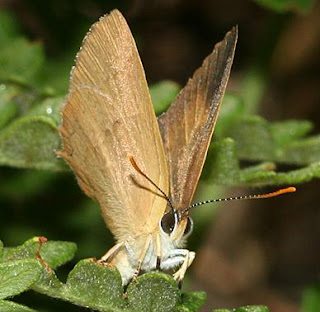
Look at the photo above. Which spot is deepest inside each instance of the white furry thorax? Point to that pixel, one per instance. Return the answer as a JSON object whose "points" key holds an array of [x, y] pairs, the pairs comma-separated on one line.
{"points": [[126, 260]]}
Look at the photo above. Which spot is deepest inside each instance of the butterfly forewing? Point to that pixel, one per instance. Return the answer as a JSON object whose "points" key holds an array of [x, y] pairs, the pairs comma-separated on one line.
{"points": [[108, 116], [187, 126]]}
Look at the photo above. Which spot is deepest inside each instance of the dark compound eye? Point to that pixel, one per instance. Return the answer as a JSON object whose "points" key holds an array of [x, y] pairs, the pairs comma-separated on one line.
{"points": [[168, 222], [189, 227]]}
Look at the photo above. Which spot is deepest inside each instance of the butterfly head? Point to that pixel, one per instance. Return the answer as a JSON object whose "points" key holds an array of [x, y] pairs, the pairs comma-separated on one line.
{"points": [[176, 226]]}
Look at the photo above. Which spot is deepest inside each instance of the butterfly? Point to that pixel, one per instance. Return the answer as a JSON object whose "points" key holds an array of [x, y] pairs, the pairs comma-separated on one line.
{"points": [[142, 170]]}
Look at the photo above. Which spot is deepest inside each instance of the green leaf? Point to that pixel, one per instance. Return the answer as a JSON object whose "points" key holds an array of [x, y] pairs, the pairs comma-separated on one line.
{"points": [[287, 5], [94, 285], [311, 299], [8, 306], [301, 152], [8, 27], [18, 276], [250, 176], [252, 309], [50, 108], [20, 61], [54, 253], [222, 168], [162, 94], [282, 178], [1, 250], [192, 302], [253, 138], [245, 309], [8, 109], [99, 287], [259, 140], [223, 162], [31, 141], [57, 253], [153, 292], [28, 250], [286, 131], [49, 285], [231, 110], [261, 167], [252, 88], [17, 100]]}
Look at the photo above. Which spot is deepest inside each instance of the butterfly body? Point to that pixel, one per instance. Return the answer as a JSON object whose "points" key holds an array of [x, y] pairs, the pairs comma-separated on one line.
{"points": [[166, 256], [108, 117]]}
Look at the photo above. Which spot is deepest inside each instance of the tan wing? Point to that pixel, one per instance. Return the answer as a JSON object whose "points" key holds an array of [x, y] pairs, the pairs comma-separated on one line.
{"points": [[187, 127], [108, 115]]}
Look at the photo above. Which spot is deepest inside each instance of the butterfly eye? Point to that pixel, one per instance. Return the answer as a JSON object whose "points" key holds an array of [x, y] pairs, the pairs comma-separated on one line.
{"points": [[168, 222], [189, 228]]}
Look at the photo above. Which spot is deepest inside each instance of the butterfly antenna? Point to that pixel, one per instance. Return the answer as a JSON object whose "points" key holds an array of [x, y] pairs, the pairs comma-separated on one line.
{"points": [[290, 189], [135, 166]]}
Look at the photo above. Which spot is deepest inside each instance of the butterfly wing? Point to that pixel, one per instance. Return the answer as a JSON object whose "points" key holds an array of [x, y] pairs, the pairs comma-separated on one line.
{"points": [[187, 126], [108, 116]]}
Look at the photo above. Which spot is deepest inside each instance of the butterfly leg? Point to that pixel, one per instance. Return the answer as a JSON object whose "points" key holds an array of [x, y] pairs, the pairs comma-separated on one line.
{"points": [[111, 252], [188, 259], [178, 257], [158, 251], [142, 256]]}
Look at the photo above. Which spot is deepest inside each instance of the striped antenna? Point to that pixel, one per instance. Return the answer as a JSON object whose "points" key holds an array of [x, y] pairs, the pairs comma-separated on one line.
{"points": [[290, 189]]}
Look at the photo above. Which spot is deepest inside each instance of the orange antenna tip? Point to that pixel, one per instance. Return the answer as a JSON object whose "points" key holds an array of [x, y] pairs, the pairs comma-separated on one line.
{"points": [[290, 189], [134, 164]]}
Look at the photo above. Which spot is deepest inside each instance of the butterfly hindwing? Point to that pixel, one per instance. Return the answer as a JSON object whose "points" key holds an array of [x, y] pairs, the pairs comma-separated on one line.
{"points": [[187, 126]]}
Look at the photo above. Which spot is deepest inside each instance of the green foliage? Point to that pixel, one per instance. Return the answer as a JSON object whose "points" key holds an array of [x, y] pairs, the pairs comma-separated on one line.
{"points": [[311, 299], [9, 306], [162, 93], [38, 127], [90, 284], [15, 59], [8, 27], [245, 309], [53, 253], [250, 137], [7, 108], [17, 276], [287, 5]]}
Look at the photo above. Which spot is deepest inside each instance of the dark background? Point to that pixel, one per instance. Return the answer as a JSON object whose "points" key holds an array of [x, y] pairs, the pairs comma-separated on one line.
{"points": [[264, 252]]}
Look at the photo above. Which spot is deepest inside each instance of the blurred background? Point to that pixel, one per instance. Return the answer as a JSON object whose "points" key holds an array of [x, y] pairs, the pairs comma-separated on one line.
{"points": [[254, 252]]}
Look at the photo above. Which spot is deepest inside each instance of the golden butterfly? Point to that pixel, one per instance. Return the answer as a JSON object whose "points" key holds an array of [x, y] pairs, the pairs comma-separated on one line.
{"points": [[142, 170]]}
